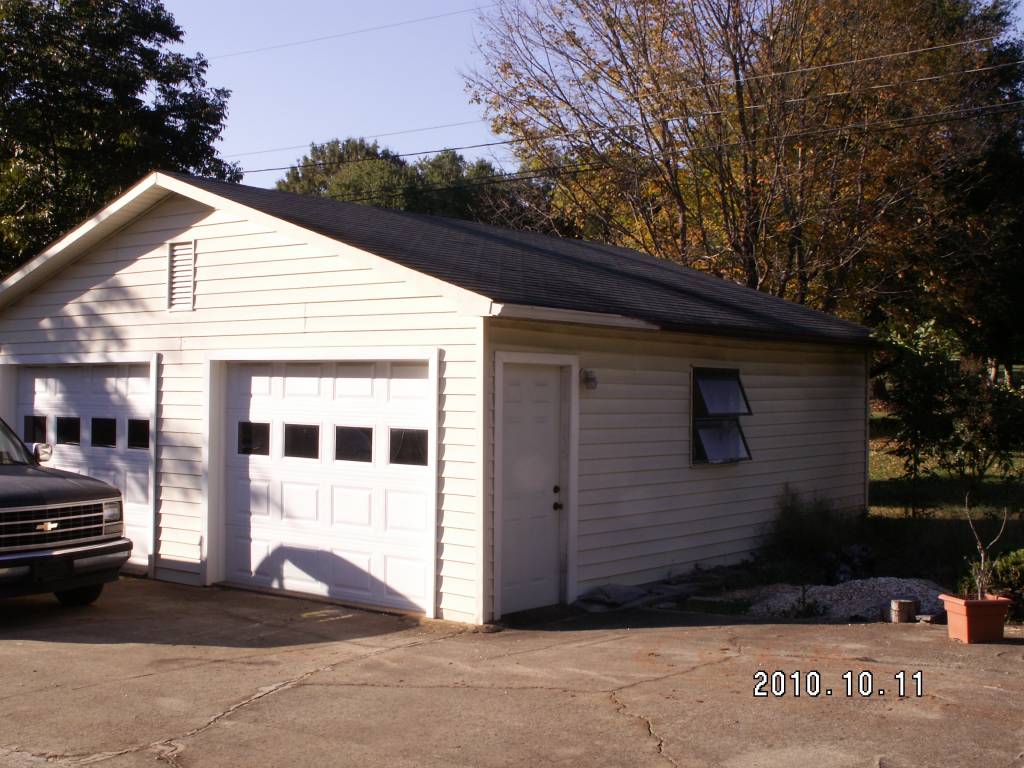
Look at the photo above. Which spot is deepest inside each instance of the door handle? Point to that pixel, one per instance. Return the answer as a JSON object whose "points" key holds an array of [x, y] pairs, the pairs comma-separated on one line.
{"points": [[557, 506]]}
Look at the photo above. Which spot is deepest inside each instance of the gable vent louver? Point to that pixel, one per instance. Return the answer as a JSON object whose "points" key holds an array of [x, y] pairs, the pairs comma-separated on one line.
{"points": [[181, 276]]}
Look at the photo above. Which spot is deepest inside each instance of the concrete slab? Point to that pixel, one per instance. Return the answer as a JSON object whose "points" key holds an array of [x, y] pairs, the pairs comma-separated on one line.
{"points": [[159, 674]]}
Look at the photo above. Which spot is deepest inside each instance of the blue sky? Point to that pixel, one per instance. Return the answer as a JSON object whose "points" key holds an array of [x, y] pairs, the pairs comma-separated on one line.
{"points": [[360, 85], [364, 84]]}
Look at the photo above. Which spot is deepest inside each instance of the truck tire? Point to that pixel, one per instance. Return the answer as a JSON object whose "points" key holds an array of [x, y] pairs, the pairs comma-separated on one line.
{"points": [[75, 598]]}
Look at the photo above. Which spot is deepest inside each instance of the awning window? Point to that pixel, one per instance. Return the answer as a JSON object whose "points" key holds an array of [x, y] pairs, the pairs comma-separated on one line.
{"points": [[718, 402]]}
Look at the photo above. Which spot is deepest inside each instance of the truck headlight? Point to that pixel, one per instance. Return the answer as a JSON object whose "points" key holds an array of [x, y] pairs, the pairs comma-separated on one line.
{"points": [[112, 511]]}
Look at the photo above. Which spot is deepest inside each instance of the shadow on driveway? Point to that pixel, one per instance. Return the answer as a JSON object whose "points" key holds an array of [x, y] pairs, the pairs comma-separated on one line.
{"points": [[137, 610]]}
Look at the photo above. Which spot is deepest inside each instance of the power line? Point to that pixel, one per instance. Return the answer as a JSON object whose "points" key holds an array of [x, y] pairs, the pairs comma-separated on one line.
{"points": [[555, 171], [374, 136], [817, 67], [351, 32], [563, 134]]}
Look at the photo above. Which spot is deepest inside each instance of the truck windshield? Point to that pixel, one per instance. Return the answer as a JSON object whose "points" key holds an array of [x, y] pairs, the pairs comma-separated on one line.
{"points": [[12, 450]]}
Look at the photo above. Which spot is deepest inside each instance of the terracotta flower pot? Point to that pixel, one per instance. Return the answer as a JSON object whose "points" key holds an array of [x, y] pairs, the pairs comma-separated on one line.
{"points": [[976, 621]]}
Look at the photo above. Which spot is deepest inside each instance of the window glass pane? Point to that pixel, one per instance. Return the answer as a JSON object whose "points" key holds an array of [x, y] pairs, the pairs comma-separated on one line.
{"points": [[719, 441], [409, 446], [720, 394], [138, 433], [353, 443], [253, 438], [35, 429], [104, 433], [69, 430], [302, 441]]}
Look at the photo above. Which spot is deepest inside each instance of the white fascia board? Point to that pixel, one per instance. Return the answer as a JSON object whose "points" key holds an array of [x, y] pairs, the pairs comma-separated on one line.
{"points": [[527, 312], [113, 217], [468, 302]]}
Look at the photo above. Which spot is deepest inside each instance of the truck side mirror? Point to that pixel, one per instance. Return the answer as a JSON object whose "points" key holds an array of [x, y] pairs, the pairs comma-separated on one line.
{"points": [[42, 451]]}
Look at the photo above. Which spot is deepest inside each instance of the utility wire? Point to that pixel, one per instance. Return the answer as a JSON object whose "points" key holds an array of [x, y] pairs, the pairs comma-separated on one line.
{"points": [[564, 134], [351, 32], [817, 67], [374, 136], [555, 171]]}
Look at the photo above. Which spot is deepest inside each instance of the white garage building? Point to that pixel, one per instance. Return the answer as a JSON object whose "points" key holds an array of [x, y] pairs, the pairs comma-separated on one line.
{"points": [[418, 413]]}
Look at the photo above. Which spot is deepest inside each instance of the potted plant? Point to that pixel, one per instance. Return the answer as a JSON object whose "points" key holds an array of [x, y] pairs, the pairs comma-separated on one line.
{"points": [[978, 617]]}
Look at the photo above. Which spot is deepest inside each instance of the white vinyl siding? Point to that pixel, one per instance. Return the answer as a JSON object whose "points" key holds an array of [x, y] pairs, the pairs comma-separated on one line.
{"points": [[181, 276], [257, 288], [644, 512]]}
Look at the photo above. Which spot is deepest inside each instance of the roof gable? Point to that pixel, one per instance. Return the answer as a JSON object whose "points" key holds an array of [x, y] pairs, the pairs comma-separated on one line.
{"points": [[509, 267]]}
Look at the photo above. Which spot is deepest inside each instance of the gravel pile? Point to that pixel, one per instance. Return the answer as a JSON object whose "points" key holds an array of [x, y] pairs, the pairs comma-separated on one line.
{"points": [[857, 600]]}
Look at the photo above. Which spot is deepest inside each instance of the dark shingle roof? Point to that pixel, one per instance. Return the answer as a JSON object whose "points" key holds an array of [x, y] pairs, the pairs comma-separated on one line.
{"points": [[513, 267]]}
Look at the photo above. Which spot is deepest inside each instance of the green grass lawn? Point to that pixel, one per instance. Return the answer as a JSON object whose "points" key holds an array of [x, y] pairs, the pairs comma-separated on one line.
{"points": [[938, 543]]}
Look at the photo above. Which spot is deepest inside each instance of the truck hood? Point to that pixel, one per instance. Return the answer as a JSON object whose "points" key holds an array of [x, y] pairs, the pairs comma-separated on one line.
{"points": [[24, 485]]}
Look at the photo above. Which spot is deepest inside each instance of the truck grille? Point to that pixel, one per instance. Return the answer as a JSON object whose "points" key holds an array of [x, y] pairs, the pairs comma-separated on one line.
{"points": [[49, 526]]}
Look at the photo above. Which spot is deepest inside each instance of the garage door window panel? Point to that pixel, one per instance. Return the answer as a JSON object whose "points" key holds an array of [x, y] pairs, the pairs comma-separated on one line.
{"points": [[302, 441], [353, 444], [104, 433], [719, 401], [408, 447], [69, 430], [138, 434], [253, 438], [35, 429]]}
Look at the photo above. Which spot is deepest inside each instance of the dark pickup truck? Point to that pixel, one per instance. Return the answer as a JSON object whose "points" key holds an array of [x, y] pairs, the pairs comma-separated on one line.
{"points": [[59, 532]]}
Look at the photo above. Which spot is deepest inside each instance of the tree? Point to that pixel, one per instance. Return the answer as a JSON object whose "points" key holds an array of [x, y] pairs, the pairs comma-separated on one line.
{"points": [[950, 414], [92, 100], [969, 269], [353, 169], [444, 184], [722, 134]]}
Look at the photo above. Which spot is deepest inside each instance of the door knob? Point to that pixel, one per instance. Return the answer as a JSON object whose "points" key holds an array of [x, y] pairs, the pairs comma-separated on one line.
{"points": [[557, 489], [556, 506]]}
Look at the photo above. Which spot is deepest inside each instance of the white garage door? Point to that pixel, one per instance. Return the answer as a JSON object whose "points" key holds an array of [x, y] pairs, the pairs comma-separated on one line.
{"points": [[329, 481], [98, 420]]}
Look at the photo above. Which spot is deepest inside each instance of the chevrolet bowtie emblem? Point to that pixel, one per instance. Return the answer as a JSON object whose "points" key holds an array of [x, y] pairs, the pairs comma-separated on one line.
{"points": [[47, 526]]}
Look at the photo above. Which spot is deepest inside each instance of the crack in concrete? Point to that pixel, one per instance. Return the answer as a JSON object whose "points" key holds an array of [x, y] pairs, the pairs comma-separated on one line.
{"points": [[169, 749], [622, 709], [457, 687], [569, 642]]}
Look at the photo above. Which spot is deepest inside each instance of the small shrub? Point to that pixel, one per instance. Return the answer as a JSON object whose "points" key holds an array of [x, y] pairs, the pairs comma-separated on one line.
{"points": [[805, 608], [811, 542], [1009, 578]]}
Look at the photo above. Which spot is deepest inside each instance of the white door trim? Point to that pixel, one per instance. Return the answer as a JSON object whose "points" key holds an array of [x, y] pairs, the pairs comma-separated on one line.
{"points": [[9, 365], [215, 381], [571, 364]]}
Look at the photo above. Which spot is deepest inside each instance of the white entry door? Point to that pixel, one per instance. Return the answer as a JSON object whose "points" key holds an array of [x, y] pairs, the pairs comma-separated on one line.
{"points": [[532, 515], [330, 480], [98, 419]]}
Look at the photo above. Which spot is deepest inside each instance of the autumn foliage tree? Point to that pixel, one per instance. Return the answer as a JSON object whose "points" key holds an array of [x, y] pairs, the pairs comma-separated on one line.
{"points": [[789, 145]]}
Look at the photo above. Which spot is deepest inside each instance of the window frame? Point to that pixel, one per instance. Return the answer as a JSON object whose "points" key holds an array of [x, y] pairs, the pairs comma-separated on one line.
{"points": [[238, 441], [697, 420], [128, 434], [32, 418], [57, 439], [354, 462], [92, 433], [319, 427], [414, 467]]}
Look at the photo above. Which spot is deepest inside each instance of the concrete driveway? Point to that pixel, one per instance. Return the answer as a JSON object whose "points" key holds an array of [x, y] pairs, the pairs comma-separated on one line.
{"points": [[157, 674]]}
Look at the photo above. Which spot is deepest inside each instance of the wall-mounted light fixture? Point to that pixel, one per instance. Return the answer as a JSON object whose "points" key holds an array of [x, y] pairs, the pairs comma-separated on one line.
{"points": [[588, 378]]}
